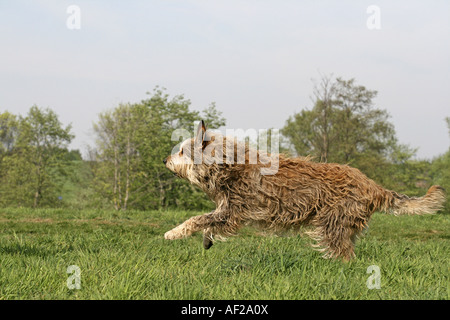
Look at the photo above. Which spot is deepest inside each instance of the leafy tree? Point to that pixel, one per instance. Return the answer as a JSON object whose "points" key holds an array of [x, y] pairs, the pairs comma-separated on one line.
{"points": [[405, 174], [343, 126], [8, 132], [32, 167], [132, 141], [440, 171]]}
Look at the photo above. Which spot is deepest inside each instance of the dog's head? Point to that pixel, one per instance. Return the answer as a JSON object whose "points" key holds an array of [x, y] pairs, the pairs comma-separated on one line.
{"points": [[209, 152], [191, 160]]}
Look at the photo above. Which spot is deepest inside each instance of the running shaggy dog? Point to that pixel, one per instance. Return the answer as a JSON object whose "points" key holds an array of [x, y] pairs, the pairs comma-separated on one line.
{"points": [[336, 200]]}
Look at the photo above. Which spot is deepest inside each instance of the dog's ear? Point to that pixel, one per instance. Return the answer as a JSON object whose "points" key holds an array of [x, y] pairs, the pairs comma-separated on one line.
{"points": [[201, 132]]}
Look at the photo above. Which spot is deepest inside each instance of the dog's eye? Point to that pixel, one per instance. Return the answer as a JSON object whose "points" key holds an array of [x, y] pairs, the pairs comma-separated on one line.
{"points": [[181, 152]]}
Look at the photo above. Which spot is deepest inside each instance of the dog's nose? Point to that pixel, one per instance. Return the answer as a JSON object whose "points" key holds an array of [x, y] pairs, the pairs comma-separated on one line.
{"points": [[165, 161]]}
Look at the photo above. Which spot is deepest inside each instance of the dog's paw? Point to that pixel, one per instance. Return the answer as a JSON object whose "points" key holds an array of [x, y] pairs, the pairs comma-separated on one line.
{"points": [[171, 235], [207, 243], [175, 233]]}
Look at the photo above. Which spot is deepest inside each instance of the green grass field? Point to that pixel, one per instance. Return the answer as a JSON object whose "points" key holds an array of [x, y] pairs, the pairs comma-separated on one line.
{"points": [[124, 256]]}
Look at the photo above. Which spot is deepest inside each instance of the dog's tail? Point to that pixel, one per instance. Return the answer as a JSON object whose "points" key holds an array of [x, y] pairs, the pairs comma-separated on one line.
{"points": [[430, 203]]}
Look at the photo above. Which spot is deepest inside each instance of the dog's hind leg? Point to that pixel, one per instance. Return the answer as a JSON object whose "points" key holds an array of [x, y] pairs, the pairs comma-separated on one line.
{"points": [[336, 232]]}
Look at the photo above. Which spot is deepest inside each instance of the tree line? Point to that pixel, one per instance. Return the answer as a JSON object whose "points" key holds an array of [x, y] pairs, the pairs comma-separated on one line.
{"points": [[124, 168]]}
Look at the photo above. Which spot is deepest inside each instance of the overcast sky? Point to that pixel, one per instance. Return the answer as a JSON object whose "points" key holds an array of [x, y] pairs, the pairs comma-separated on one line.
{"points": [[255, 59]]}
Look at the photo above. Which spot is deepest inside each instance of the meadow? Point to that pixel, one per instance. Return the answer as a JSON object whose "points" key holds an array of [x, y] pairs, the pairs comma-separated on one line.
{"points": [[123, 255]]}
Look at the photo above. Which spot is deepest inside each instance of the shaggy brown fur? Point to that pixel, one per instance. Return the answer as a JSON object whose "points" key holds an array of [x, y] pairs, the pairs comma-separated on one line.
{"points": [[336, 200]]}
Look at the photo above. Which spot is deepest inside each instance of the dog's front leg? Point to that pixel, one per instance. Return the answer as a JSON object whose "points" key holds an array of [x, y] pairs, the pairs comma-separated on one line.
{"points": [[194, 224]]}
